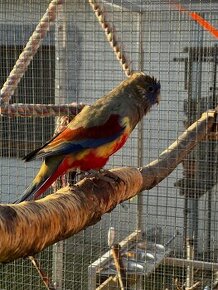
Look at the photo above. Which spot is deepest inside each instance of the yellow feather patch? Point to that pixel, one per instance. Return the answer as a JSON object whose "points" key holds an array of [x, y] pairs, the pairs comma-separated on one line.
{"points": [[109, 148]]}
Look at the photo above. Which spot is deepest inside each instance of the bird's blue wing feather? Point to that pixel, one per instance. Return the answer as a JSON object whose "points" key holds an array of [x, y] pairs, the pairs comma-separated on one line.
{"points": [[78, 145]]}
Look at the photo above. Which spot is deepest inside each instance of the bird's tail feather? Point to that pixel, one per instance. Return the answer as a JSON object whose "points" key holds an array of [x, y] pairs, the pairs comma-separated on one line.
{"points": [[34, 154], [29, 193], [46, 176]]}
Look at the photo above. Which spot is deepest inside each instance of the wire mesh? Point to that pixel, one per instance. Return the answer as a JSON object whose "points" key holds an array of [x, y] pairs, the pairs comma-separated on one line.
{"points": [[75, 63]]}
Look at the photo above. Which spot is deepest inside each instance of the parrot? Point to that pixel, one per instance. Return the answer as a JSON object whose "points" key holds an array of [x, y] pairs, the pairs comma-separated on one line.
{"points": [[95, 133]]}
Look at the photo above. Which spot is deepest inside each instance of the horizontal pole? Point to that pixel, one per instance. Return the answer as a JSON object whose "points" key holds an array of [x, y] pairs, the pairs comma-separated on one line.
{"points": [[40, 110], [201, 265]]}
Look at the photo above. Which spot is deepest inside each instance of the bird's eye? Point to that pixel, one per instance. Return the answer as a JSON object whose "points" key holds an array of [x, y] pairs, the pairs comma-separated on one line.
{"points": [[151, 89]]}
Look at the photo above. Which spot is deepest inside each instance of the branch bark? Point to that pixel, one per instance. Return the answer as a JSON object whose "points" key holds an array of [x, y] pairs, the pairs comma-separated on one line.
{"points": [[29, 227]]}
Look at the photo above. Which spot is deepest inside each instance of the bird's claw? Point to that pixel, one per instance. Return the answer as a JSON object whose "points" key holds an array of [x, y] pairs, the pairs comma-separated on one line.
{"points": [[110, 177], [104, 175], [110, 174]]}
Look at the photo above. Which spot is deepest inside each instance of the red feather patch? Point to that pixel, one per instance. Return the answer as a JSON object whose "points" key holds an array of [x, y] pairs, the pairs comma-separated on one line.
{"points": [[111, 127]]}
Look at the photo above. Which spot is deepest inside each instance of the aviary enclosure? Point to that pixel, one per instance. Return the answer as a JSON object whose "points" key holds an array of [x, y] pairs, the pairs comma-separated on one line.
{"points": [[57, 57]]}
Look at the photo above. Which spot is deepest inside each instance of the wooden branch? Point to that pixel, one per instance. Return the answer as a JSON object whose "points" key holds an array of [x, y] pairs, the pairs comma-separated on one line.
{"points": [[28, 52], [118, 262], [71, 210], [159, 169], [40, 110], [43, 275]]}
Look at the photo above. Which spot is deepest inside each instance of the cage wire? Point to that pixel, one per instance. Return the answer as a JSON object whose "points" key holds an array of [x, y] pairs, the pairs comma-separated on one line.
{"points": [[174, 41]]}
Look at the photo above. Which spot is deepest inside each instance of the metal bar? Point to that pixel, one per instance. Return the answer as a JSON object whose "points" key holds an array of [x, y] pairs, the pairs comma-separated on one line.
{"points": [[194, 91], [140, 125], [209, 207], [60, 91], [215, 59], [137, 6], [190, 257], [57, 265], [92, 281], [201, 265], [212, 153]]}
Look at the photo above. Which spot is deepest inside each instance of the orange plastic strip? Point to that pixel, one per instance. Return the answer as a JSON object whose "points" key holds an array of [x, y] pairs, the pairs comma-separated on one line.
{"points": [[200, 20]]}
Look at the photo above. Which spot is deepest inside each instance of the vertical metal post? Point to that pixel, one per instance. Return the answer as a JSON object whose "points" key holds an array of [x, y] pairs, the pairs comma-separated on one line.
{"points": [[92, 281], [140, 125], [194, 92], [213, 152], [60, 93], [139, 279]]}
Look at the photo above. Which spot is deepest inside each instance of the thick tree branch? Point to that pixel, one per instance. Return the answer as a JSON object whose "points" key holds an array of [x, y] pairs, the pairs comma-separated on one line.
{"points": [[168, 160], [29, 227]]}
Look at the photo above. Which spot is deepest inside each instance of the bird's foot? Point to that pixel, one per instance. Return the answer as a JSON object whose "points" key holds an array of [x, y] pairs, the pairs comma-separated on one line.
{"points": [[105, 175], [108, 176]]}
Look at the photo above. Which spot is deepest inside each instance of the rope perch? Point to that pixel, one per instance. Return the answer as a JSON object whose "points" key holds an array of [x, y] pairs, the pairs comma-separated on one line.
{"points": [[40, 110], [70, 210], [28, 52], [120, 55]]}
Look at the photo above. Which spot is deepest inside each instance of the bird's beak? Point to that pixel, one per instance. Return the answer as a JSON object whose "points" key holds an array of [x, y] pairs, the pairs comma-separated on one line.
{"points": [[158, 99]]}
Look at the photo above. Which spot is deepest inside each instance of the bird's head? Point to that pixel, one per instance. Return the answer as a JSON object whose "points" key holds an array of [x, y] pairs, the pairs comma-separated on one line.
{"points": [[149, 89]]}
